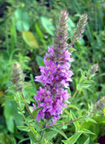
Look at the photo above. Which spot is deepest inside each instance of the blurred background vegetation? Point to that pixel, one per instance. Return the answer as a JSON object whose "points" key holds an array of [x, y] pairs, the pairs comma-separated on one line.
{"points": [[26, 30]]}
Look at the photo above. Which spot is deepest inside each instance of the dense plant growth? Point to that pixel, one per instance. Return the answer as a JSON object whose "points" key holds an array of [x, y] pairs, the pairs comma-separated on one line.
{"points": [[55, 110]]}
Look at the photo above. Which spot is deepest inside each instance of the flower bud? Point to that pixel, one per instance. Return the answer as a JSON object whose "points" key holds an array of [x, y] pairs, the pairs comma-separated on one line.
{"points": [[80, 28], [93, 69], [100, 105], [17, 76]]}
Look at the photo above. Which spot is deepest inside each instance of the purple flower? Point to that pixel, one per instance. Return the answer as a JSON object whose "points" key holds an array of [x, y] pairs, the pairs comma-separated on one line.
{"points": [[40, 115], [55, 75], [55, 118], [47, 72], [34, 106]]}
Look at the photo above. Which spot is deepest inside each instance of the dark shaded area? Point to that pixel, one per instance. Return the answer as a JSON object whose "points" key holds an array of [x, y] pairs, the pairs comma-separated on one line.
{"points": [[102, 140]]}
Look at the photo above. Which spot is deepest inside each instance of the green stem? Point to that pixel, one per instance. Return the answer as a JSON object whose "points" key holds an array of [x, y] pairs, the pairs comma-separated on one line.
{"points": [[27, 107], [74, 96], [21, 111], [70, 121], [25, 121], [77, 90], [76, 132], [41, 136]]}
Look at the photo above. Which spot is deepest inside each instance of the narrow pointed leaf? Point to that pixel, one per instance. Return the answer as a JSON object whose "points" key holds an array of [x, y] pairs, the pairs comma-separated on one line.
{"points": [[60, 132], [87, 141], [76, 123], [74, 138]]}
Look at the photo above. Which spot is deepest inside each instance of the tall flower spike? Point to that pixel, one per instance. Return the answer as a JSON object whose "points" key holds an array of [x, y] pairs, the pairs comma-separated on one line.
{"points": [[55, 75], [80, 28], [60, 41], [17, 76]]}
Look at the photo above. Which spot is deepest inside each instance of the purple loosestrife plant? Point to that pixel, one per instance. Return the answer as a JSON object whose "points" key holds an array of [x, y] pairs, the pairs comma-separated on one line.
{"points": [[56, 73]]}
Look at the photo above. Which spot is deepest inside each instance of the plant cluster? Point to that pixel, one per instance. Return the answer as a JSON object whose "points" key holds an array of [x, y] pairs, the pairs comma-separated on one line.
{"points": [[66, 102]]}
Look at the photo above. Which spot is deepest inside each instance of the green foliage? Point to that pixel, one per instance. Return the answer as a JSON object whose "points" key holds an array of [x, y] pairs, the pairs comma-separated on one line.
{"points": [[22, 20], [11, 115], [48, 25], [76, 124], [27, 28], [39, 60], [30, 39], [87, 141]]}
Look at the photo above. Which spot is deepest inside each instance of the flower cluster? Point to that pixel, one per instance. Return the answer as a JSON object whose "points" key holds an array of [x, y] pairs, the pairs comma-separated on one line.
{"points": [[55, 75]]}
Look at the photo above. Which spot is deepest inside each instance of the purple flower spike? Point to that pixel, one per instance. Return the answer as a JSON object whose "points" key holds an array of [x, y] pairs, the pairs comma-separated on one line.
{"points": [[55, 75]]}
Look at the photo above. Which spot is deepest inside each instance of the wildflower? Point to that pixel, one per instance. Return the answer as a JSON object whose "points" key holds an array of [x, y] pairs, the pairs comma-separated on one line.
{"points": [[55, 75]]}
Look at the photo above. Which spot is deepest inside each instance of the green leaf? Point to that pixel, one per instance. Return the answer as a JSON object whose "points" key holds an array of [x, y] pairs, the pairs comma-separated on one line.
{"points": [[46, 142], [73, 106], [81, 42], [85, 86], [11, 114], [51, 134], [73, 139], [87, 131], [66, 116], [13, 34], [37, 126], [87, 141], [30, 39], [65, 141], [48, 25], [60, 132], [39, 60], [35, 112], [29, 119], [6, 138], [91, 120], [23, 140], [10, 123], [22, 20], [37, 27], [23, 128], [32, 138], [76, 123], [34, 124], [33, 130], [72, 49], [69, 91]]}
